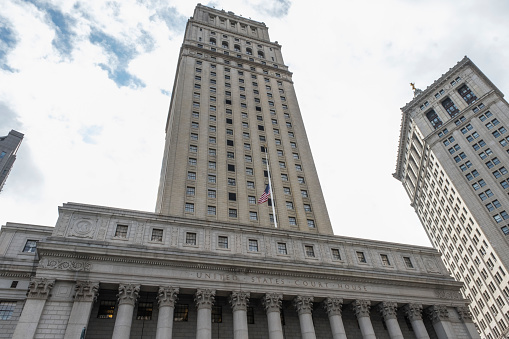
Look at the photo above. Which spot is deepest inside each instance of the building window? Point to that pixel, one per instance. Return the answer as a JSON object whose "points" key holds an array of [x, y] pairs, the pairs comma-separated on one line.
{"points": [[253, 245], [385, 260], [289, 205], [189, 208], [281, 248], [253, 216], [222, 242], [450, 107], [230, 155], [232, 196], [211, 194], [434, 119], [193, 148], [250, 315], [211, 210], [194, 136], [505, 230], [298, 168], [212, 179], [212, 165], [181, 312], [231, 181], [307, 207], [190, 238], [250, 184], [408, 262], [106, 309], [292, 221], [232, 213], [217, 314], [157, 235], [252, 200], [311, 223], [192, 161], [144, 311], [310, 251], [7, 309], [212, 152], [304, 193], [467, 94], [190, 191], [249, 171], [31, 246], [301, 180], [361, 257], [191, 175], [336, 255], [121, 231]]}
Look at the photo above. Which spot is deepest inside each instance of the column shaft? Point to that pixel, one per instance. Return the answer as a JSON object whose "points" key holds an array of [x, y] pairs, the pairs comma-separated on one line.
{"points": [[361, 309], [275, 328], [204, 323], [366, 328], [307, 329], [127, 296], [419, 329], [84, 298], [439, 316], [337, 327], [389, 311], [240, 324], [165, 322], [394, 329]]}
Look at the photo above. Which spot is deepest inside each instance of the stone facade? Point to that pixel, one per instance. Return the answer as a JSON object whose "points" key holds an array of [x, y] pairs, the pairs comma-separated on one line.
{"points": [[452, 161], [9, 145]]}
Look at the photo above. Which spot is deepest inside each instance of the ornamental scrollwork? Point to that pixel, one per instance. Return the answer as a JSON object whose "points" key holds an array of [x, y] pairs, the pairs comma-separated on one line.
{"points": [[303, 305], [333, 306], [204, 298], [64, 264], [128, 294]]}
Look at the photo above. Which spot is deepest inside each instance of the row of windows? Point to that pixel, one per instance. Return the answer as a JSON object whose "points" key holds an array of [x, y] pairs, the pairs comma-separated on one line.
{"points": [[230, 62], [449, 106], [261, 55]]}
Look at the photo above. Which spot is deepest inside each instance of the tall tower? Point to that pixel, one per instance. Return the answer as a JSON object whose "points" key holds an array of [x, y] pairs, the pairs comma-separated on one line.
{"points": [[8, 147], [233, 102], [453, 163]]}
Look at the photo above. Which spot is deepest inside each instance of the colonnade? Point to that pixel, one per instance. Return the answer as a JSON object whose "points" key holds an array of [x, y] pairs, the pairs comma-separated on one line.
{"points": [[86, 293]]}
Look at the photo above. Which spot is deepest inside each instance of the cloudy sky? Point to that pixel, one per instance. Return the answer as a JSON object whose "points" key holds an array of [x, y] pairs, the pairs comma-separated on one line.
{"points": [[89, 84]]}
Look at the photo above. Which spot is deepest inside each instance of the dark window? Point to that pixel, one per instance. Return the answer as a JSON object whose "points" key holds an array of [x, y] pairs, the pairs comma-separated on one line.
{"points": [[261, 128], [30, 246], [231, 168], [250, 315], [229, 142], [450, 107], [467, 94], [229, 121], [217, 314], [106, 309], [181, 312], [144, 311], [232, 196], [434, 119], [14, 284]]}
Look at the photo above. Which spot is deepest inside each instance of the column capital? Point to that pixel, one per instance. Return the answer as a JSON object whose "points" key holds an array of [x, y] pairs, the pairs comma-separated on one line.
{"points": [[239, 300], [128, 294], [438, 313], [388, 309], [86, 291], [333, 306], [40, 288], [303, 304], [204, 298], [167, 296], [272, 302], [464, 313], [361, 308], [413, 311]]}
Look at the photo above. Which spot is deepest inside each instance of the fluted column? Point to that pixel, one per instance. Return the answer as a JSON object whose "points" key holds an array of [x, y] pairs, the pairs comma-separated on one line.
{"points": [[361, 309], [166, 298], [414, 313], [127, 296], [272, 303], [389, 311], [466, 317], [304, 307], [239, 302], [84, 298], [38, 292], [204, 300], [333, 307], [439, 316]]}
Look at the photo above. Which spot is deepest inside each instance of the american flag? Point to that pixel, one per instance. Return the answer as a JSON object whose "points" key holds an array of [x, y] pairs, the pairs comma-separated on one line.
{"points": [[265, 196]]}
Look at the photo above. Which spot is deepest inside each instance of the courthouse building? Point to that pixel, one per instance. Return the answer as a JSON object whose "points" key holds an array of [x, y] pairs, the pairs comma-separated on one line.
{"points": [[212, 262], [453, 162]]}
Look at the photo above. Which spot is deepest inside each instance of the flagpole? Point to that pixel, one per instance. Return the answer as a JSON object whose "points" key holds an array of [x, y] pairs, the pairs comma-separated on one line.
{"points": [[271, 189]]}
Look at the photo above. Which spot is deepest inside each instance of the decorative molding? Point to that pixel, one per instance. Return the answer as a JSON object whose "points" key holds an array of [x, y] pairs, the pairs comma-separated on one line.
{"points": [[361, 308], [413, 311], [464, 313], [204, 298], [86, 291], [83, 228], [333, 306], [40, 288], [272, 302], [103, 228], [128, 294], [167, 296], [140, 229], [388, 309], [431, 265], [303, 305], [438, 313], [66, 265], [62, 223], [239, 301]]}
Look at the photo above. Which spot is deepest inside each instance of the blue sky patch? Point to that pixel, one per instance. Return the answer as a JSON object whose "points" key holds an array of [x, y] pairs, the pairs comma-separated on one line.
{"points": [[88, 133], [8, 41], [175, 21]]}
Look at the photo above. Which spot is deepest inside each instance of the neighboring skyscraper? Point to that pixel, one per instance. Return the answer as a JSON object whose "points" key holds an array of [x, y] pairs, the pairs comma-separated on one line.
{"points": [[8, 147], [233, 100], [453, 162]]}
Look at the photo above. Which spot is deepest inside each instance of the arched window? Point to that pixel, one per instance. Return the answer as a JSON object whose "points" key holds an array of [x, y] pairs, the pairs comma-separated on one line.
{"points": [[236, 48], [225, 44], [249, 51], [212, 41], [261, 55], [434, 119]]}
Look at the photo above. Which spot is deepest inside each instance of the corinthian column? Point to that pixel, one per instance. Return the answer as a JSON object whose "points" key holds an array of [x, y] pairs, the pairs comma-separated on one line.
{"points": [[333, 307], [127, 296], [272, 303], [38, 292], [361, 309], [440, 318], [238, 302], [466, 316], [304, 307], [166, 298], [414, 313], [204, 300], [84, 298], [389, 311]]}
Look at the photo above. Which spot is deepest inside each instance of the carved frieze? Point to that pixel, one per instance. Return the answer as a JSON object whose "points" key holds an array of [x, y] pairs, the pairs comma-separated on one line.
{"points": [[272, 302], [333, 306], [128, 294], [167, 296], [40, 288], [361, 308], [83, 228], [204, 298], [239, 300], [443, 294], [65, 264], [303, 305], [86, 291]]}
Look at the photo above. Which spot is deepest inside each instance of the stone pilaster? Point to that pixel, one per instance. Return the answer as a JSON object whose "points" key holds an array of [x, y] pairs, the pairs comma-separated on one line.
{"points": [[333, 306], [361, 309], [127, 296], [39, 290], [166, 299], [439, 316], [272, 303], [389, 311], [239, 302], [466, 317], [204, 299], [85, 295], [414, 313]]}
